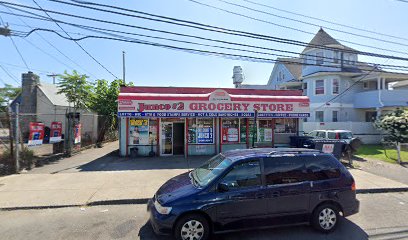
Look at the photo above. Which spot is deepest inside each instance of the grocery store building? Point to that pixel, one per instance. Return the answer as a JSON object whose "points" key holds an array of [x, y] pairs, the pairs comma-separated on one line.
{"points": [[204, 121]]}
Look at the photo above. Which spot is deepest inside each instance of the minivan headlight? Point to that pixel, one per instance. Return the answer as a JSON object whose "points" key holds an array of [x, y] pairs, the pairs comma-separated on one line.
{"points": [[160, 209]]}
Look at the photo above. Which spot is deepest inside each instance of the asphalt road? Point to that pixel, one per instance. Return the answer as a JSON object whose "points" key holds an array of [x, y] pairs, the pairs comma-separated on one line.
{"points": [[382, 216]]}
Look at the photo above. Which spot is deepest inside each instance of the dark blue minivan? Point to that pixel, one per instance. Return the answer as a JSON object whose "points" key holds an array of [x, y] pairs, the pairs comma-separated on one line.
{"points": [[255, 188]]}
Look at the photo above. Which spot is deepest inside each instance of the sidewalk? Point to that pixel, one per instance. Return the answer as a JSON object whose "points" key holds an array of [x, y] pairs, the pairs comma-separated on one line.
{"points": [[87, 188], [99, 176]]}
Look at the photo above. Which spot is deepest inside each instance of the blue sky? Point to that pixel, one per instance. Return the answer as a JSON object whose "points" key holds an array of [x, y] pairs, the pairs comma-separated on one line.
{"points": [[152, 66]]}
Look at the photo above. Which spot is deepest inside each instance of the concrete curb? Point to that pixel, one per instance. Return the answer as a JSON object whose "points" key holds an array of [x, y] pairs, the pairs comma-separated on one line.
{"points": [[381, 190], [145, 200]]}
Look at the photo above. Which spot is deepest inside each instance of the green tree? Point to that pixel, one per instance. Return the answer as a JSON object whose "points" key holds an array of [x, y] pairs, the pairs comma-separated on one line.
{"points": [[8, 93], [76, 88], [396, 125], [104, 102]]}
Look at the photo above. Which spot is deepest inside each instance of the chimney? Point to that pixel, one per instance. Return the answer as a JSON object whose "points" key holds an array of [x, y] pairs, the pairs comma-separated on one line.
{"points": [[28, 103], [237, 76]]}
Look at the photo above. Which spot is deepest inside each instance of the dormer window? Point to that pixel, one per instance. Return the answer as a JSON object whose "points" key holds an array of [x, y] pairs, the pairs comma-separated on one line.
{"points": [[319, 58]]}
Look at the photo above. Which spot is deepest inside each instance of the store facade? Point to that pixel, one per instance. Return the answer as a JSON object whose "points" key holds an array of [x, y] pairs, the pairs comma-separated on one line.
{"points": [[167, 121]]}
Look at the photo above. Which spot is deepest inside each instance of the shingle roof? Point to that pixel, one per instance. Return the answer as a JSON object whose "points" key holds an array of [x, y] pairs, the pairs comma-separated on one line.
{"points": [[322, 38], [294, 66], [51, 92]]}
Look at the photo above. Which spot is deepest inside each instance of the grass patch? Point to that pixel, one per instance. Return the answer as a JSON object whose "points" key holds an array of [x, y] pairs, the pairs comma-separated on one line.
{"points": [[377, 152]]}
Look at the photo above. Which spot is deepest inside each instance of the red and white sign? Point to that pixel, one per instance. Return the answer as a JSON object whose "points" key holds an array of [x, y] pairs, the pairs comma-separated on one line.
{"points": [[328, 148], [56, 132], [215, 104], [36, 135]]}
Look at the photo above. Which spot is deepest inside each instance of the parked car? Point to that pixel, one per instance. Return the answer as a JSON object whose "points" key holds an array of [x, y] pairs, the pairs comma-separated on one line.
{"points": [[255, 188], [345, 135]]}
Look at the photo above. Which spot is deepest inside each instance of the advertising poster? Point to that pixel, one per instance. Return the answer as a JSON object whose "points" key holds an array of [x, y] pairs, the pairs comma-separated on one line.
{"points": [[36, 135], [77, 134], [139, 131], [268, 134], [205, 135], [56, 132]]}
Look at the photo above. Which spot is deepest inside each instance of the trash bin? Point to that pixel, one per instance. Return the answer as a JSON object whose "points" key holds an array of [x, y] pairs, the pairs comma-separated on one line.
{"points": [[334, 147], [299, 141], [133, 152]]}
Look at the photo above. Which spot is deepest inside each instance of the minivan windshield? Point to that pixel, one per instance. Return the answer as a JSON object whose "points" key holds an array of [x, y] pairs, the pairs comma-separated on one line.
{"points": [[204, 174]]}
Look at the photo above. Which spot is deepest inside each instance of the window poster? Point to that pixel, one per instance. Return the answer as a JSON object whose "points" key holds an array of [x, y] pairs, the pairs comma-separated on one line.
{"points": [[192, 137], [152, 131], [205, 130], [77, 135], [268, 134], [139, 131], [230, 130]]}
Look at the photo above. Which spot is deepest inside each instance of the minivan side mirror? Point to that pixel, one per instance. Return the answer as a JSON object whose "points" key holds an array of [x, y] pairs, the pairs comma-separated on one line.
{"points": [[222, 187]]}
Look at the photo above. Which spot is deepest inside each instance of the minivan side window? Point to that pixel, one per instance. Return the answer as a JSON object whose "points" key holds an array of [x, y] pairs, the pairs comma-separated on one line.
{"points": [[321, 134], [321, 167], [284, 169], [331, 135], [247, 174]]}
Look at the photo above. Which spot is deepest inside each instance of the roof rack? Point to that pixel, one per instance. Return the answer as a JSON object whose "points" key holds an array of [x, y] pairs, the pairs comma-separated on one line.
{"points": [[298, 151]]}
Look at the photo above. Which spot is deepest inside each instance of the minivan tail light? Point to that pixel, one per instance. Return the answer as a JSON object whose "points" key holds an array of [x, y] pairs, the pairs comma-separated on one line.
{"points": [[353, 186]]}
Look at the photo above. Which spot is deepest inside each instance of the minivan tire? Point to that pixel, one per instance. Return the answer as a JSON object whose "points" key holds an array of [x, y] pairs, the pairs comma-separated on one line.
{"points": [[325, 217], [190, 226]]}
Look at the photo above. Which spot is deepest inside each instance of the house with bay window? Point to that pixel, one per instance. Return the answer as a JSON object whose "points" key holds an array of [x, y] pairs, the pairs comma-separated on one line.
{"points": [[344, 93]]}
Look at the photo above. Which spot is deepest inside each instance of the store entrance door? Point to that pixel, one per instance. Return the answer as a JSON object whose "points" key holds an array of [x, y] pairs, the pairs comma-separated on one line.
{"points": [[166, 142], [178, 138]]}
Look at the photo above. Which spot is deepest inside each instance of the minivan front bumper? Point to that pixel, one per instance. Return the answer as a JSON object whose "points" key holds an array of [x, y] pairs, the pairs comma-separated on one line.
{"points": [[352, 208], [161, 224]]}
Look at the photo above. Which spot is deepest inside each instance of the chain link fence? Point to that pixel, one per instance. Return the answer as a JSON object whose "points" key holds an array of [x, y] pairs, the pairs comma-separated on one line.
{"points": [[81, 130]]}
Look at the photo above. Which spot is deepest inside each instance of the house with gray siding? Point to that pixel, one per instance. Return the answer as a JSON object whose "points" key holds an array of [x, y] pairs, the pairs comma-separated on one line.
{"points": [[344, 92]]}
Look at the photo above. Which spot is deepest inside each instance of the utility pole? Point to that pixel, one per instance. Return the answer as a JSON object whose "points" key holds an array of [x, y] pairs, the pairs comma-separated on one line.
{"points": [[124, 68], [53, 77], [17, 138]]}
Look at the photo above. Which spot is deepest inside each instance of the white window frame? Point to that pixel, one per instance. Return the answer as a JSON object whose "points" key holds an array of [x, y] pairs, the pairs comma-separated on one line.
{"points": [[337, 116], [338, 86], [319, 58], [315, 85], [316, 116]]}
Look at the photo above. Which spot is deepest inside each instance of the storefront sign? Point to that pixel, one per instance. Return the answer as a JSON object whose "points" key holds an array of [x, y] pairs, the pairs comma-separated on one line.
{"points": [[36, 135], [56, 132], [204, 135], [217, 104], [77, 134]]}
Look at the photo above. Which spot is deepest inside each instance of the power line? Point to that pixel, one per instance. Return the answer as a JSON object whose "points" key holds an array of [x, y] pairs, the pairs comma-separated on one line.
{"points": [[52, 45], [100, 64], [21, 56], [231, 43], [287, 27], [8, 73], [312, 24], [2, 22], [323, 20], [21, 67], [213, 29], [196, 51]]}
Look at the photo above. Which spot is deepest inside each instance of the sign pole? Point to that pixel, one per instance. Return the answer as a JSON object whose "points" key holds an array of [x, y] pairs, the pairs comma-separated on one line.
{"points": [[17, 138], [253, 129]]}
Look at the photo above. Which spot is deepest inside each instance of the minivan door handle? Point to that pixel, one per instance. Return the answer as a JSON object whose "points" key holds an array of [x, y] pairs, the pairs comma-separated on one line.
{"points": [[260, 195], [275, 194]]}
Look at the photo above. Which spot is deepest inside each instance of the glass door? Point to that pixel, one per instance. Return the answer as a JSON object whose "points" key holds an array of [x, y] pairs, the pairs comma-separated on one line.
{"points": [[166, 146]]}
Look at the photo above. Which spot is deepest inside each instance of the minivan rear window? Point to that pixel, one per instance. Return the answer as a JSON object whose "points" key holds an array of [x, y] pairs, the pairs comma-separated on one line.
{"points": [[321, 167], [283, 170]]}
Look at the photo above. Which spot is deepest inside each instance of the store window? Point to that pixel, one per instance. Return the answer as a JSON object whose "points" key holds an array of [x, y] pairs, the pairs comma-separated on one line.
{"points": [[201, 131], [285, 125], [230, 130], [319, 87], [138, 131], [265, 130]]}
